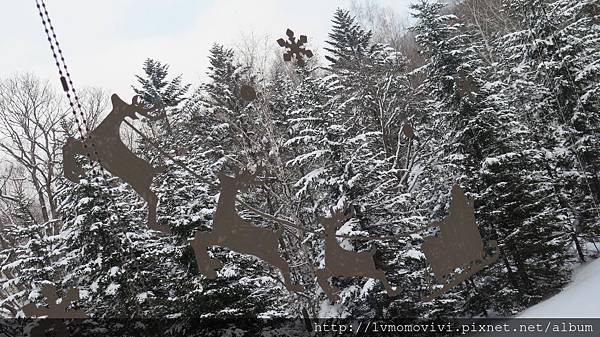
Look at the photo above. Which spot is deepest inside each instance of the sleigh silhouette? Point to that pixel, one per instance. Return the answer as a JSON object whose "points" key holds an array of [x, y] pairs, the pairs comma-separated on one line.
{"points": [[457, 252]]}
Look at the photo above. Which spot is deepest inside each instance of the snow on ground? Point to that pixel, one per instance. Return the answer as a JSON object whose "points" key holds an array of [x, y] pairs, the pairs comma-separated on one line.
{"points": [[579, 299]]}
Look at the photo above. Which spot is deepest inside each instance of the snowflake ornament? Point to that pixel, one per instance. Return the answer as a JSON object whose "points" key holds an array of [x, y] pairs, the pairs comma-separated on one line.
{"points": [[295, 48]]}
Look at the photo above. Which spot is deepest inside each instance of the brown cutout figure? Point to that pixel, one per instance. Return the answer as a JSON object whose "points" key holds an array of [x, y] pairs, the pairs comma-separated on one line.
{"points": [[232, 231], [459, 245], [466, 86], [341, 262], [104, 144], [295, 48], [54, 312], [247, 93], [408, 131]]}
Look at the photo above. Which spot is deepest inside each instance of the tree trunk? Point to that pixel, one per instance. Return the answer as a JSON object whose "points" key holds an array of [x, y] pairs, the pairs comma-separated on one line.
{"points": [[40, 196], [50, 191], [307, 321], [578, 246], [522, 271], [3, 243], [511, 275]]}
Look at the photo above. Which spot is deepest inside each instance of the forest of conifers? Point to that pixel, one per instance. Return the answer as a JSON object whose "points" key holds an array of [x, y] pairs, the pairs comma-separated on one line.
{"points": [[504, 101]]}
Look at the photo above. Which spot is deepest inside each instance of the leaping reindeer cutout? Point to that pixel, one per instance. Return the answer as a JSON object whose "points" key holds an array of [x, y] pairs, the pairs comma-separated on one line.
{"points": [[341, 262], [230, 230], [104, 144]]}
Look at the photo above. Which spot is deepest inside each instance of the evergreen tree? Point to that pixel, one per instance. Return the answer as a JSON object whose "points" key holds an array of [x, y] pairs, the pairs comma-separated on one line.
{"points": [[206, 139], [348, 41], [156, 90], [481, 131], [30, 260], [572, 77]]}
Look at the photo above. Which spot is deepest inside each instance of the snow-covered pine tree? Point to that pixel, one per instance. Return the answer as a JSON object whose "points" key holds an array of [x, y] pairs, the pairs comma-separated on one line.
{"points": [[215, 132], [120, 267], [451, 87], [523, 218], [531, 57], [481, 130], [348, 39], [565, 49], [156, 90], [28, 259], [344, 146]]}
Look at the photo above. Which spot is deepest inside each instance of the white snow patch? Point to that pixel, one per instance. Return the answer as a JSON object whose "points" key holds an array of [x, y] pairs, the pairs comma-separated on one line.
{"points": [[94, 287], [113, 271], [415, 254], [34, 295], [367, 287], [112, 288], [580, 299], [84, 201], [270, 314], [416, 237], [83, 294], [142, 297], [79, 220], [491, 161], [228, 271], [328, 310]]}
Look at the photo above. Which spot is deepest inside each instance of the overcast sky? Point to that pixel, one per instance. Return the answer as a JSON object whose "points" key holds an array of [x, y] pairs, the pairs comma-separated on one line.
{"points": [[106, 41]]}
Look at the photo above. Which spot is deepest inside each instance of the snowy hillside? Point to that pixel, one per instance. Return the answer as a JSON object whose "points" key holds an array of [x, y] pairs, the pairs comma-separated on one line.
{"points": [[580, 299]]}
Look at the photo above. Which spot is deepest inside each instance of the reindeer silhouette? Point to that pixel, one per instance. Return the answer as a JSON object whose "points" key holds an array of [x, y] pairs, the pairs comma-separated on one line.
{"points": [[232, 231], [341, 262], [104, 144]]}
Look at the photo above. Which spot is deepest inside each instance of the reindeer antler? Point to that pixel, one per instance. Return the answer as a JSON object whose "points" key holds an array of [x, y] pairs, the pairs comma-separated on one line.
{"points": [[139, 107], [341, 214], [246, 176]]}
